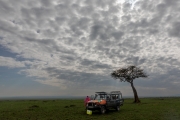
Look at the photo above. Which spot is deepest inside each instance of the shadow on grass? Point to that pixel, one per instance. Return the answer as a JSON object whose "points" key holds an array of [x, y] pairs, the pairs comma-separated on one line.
{"points": [[33, 107], [98, 113], [69, 106]]}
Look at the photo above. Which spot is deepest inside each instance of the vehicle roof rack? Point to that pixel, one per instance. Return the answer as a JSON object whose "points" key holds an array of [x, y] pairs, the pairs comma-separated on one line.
{"points": [[101, 92], [112, 92], [115, 92]]}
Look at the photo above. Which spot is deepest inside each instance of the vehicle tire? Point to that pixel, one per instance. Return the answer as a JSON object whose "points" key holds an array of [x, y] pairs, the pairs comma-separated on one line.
{"points": [[117, 108], [102, 110]]}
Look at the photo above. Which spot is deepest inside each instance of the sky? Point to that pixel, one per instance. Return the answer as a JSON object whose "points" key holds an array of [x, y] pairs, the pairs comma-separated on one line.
{"points": [[70, 47]]}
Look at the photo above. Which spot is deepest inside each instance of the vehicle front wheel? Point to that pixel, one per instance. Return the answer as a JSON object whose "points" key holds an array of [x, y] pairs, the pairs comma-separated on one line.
{"points": [[117, 108], [103, 110]]}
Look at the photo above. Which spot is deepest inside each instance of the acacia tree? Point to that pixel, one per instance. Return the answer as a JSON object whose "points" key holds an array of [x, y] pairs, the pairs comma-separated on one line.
{"points": [[128, 75]]}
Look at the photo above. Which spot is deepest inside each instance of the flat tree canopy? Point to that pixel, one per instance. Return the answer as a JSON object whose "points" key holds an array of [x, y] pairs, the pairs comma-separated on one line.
{"points": [[128, 74]]}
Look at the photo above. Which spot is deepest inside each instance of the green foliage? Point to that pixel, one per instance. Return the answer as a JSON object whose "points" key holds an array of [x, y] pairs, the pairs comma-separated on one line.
{"points": [[148, 109], [128, 74]]}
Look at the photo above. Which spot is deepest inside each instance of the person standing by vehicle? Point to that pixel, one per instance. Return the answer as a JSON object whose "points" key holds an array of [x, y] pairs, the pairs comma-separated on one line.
{"points": [[86, 100]]}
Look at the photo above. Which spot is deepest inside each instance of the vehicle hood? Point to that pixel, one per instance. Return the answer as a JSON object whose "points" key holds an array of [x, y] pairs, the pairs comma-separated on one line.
{"points": [[97, 101], [94, 101]]}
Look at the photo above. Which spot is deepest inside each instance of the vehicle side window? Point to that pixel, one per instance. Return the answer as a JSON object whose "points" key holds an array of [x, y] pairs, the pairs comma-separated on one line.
{"points": [[117, 96], [120, 96], [113, 97], [108, 97]]}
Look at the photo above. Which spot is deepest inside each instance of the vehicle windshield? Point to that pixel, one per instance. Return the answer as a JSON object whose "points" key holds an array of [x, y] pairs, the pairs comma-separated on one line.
{"points": [[107, 96], [99, 97]]}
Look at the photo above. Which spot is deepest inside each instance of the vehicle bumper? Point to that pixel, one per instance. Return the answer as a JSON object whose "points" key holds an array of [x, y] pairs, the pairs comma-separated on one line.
{"points": [[93, 107]]}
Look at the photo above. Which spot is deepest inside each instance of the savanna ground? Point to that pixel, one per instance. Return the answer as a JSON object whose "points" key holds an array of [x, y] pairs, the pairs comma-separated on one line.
{"points": [[148, 109]]}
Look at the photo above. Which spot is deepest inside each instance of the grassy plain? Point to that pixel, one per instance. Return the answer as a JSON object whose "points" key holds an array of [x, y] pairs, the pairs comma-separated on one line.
{"points": [[148, 109]]}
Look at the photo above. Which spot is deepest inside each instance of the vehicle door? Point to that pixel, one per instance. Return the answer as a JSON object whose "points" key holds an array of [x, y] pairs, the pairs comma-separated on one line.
{"points": [[121, 99], [118, 100], [108, 101], [112, 101]]}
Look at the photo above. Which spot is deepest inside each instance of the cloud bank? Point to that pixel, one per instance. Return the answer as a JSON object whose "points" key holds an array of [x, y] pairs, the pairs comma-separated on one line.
{"points": [[71, 44]]}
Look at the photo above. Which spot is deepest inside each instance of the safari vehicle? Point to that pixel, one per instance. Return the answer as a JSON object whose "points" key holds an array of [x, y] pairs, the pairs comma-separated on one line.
{"points": [[104, 101]]}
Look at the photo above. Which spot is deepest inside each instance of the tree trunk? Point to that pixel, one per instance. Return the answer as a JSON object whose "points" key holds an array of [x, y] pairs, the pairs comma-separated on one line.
{"points": [[136, 98]]}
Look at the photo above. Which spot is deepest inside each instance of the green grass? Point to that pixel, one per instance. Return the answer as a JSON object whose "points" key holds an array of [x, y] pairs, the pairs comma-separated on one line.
{"points": [[148, 109]]}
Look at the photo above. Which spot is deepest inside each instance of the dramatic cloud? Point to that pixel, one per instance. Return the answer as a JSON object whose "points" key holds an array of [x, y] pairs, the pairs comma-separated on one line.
{"points": [[75, 43]]}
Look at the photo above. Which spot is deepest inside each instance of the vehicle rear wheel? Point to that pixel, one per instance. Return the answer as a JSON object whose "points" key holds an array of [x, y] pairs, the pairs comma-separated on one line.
{"points": [[117, 108], [102, 110]]}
